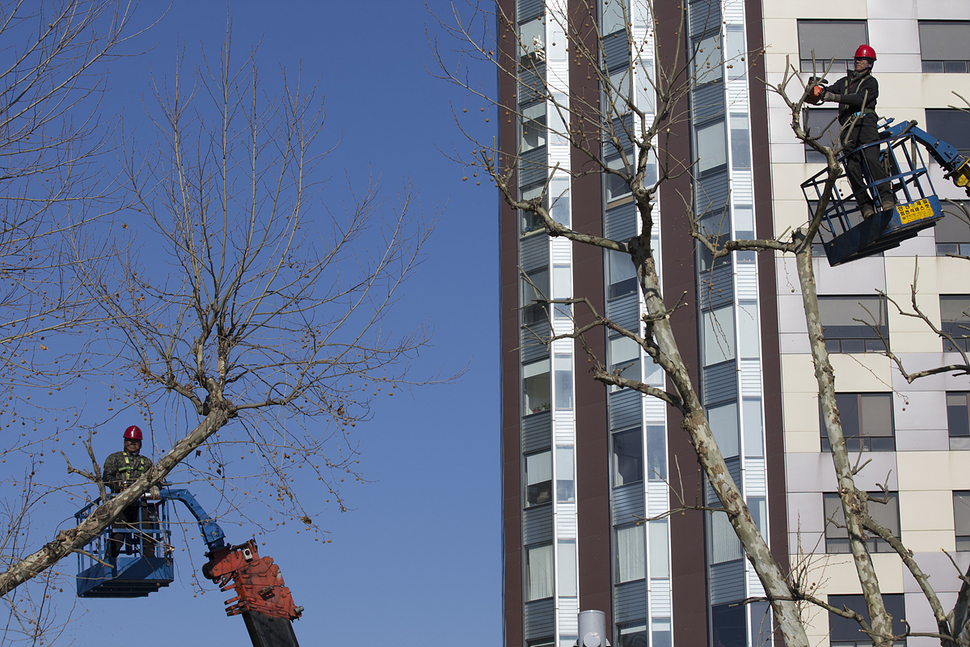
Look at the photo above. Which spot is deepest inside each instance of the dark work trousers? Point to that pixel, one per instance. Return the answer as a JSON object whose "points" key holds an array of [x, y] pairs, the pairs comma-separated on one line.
{"points": [[865, 132], [138, 520]]}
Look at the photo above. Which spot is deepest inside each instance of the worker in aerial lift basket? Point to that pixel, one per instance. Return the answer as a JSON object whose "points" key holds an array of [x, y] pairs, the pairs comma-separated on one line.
{"points": [[856, 94], [120, 469]]}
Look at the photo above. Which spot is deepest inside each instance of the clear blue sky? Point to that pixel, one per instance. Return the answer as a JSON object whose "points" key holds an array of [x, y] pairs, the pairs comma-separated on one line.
{"points": [[417, 560]]}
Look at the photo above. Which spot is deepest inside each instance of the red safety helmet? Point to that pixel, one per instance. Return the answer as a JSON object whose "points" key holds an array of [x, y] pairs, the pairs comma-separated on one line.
{"points": [[865, 51], [133, 433]]}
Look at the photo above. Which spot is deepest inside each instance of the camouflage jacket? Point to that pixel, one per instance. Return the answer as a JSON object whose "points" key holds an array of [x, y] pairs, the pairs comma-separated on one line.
{"points": [[122, 466]]}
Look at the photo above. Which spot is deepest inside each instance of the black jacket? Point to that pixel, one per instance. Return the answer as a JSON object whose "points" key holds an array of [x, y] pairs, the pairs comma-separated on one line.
{"points": [[857, 93]]}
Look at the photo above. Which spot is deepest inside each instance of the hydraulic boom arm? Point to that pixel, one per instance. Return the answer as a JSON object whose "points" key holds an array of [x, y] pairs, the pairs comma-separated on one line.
{"points": [[262, 599], [957, 166]]}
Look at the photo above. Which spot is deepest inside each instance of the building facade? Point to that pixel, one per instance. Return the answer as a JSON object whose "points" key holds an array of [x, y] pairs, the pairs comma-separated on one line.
{"points": [[584, 465]]}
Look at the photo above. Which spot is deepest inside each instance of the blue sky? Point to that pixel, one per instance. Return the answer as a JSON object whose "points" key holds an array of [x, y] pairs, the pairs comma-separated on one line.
{"points": [[417, 559]]}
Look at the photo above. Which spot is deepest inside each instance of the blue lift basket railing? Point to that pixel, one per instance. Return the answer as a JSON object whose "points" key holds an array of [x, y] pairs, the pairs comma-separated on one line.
{"points": [[847, 236]]}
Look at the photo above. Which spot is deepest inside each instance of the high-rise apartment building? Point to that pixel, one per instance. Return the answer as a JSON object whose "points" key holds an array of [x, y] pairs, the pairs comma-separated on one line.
{"points": [[583, 465]]}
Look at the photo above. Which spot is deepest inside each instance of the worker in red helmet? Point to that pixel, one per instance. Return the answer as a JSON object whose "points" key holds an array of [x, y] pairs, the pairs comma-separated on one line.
{"points": [[856, 93], [120, 469]]}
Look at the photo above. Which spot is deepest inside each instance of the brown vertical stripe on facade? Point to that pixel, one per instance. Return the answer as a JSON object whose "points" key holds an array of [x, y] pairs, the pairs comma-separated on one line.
{"points": [[688, 570]]}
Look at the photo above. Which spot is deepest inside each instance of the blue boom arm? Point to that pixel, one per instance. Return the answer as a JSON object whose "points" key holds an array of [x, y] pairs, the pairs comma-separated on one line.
{"points": [[955, 164], [211, 531]]}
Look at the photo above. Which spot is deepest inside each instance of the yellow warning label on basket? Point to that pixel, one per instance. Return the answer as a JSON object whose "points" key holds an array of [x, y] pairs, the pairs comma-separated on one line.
{"points": [[915, 211]]}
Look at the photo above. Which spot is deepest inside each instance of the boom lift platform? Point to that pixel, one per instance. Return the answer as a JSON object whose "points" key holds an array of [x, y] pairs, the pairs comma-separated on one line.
{"points": [[846, 235], [134, 558]]}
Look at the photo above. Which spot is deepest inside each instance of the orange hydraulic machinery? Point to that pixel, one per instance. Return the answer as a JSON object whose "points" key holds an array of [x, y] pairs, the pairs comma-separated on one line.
{"points": [[262, 598]]}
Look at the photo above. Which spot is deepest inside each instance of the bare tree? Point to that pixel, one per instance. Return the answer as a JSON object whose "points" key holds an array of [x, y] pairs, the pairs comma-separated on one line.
{"points": [[614, 123], [256, 318]]}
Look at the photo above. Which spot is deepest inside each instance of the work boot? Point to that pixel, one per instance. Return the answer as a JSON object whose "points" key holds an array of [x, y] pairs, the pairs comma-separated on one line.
{"points": [[867, 210], [888, 204]]}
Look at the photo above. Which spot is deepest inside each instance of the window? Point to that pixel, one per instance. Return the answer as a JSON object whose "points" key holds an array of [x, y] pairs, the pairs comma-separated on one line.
{"points": [[567, 568], [827, 40], [564, 382], [822, 123], [622, 274], [533, 133], [615, 15], [740, 149], [565, 483], [656, 453], [616, 185], [944, 45], [538, 479], [711, 150], [844, 632], [707, 59], [950, 125], [953, 232], [630, 554], [627, 457], [625, 359], [727, 625], [853, 324], [719, 342], [538, 572], [633, 635], [736, 55], [534, 289], [958, 419], [723, 544], [886, 514], [532, 42], [867, 422], [961, 519], [535, 387], [955, 319], [528, 221]]}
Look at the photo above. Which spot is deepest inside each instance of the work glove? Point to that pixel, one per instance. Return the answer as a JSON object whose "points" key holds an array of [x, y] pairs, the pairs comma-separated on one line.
{"points": [[831, 96]]}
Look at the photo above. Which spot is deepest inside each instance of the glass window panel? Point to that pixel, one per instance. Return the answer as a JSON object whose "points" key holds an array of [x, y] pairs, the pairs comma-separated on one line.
{"points": [[536, 387], [955, 226], [961, 519], [827, 40], [749, 324], [950, 125], [559, 194], [564, 382], [885, 514], [723, 544], [532, 37], [824, 124], [711, 147], [718, 335], [753, 427], [630, 553], [761, 627], [662, 635], [567, 568], [758, 507], [955, 316], [848, 323], [728, 625], [625, 357], [707, 59], [867, 421], [659, 549], [616, 186], [615, 14], [528, 221], [538, 572], [627, 457], [744, 221], [944, 40], [646, 92], [724, 424], [845, 631], [565, 479], [619, 93], [534, 289], [740, 148], [656, 453], [958, 414], [538, 477], [736, 59], [634, 636]]}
